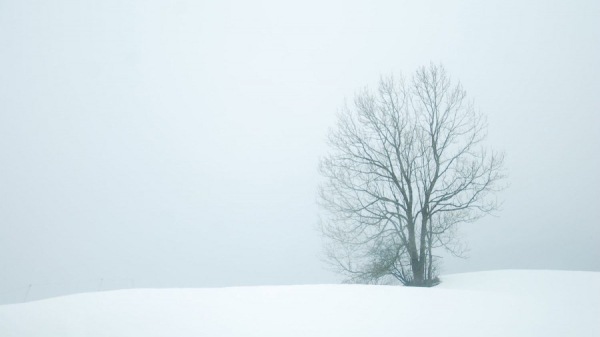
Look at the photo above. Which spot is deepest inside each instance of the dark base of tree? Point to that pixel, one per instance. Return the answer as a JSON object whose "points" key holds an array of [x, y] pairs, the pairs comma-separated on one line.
{"points": [[426, 283]]}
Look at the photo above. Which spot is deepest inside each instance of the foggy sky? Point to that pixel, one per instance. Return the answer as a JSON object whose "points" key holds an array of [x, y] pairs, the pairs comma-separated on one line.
{"points": [[176, 143]]}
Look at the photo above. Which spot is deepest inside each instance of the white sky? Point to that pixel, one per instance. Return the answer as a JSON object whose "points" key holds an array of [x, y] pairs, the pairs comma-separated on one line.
{"points": [[176, 142]]}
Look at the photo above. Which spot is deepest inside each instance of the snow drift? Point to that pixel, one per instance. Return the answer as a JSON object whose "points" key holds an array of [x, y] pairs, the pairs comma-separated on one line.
{"points": [[498, 303]]}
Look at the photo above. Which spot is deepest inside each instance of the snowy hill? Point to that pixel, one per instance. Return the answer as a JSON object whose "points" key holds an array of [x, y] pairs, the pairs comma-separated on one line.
{"points": [[498, 303]]}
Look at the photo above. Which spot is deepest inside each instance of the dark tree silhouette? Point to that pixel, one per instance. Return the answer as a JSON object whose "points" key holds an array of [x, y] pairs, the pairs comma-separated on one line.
{"points": [[406, 166]]}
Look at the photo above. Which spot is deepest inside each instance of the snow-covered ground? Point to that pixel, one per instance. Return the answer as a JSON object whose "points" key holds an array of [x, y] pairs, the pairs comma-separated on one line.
{"points": [[498, 303]]}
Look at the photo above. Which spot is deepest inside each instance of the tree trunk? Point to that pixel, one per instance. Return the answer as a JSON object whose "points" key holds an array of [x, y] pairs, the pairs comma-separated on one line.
{"points": [[430, 262], [418, 273], [429, 255], [419, 269]]}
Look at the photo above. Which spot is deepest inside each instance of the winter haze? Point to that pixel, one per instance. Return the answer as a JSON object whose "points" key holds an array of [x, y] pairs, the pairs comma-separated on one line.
{"points": [[176, 143]]}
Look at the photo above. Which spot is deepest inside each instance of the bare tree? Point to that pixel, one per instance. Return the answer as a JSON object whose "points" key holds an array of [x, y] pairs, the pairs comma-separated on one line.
{"points": [[406, 167]]}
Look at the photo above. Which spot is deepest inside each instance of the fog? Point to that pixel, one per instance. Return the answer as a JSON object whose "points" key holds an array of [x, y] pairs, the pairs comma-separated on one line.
{"points": [[176, 143]]}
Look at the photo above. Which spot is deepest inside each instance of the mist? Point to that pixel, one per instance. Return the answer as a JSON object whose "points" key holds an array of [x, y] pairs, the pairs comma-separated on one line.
{"points": [[176, 143]]}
